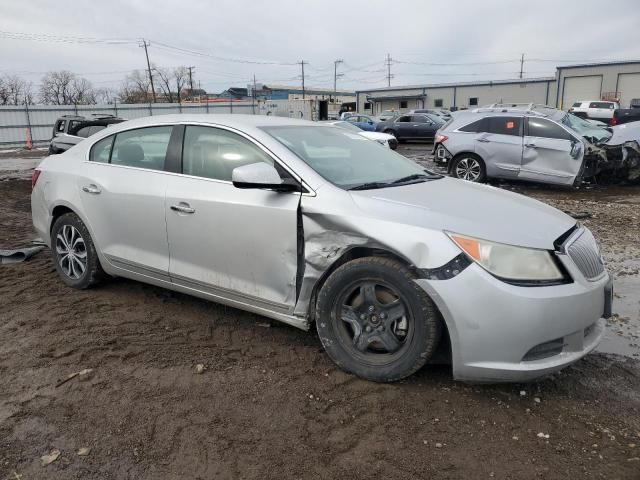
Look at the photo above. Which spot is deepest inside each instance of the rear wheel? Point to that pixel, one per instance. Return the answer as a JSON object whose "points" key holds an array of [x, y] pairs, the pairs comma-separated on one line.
{"points": [[74, 253], [393, 144], [375, 321], [470, 167]]}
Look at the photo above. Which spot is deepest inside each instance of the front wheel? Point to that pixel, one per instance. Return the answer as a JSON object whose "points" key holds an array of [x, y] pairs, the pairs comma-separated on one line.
{"points": [[393, 144], [375, 321], [469, 167]]}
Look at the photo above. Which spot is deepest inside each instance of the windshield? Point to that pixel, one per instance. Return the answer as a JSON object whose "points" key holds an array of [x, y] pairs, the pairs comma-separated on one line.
{"points": [[348, 126], [348, 160], [586, 129]]}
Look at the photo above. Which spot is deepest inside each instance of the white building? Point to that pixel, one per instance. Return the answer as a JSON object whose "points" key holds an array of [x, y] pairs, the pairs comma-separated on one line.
{"points": [[615, 80]]}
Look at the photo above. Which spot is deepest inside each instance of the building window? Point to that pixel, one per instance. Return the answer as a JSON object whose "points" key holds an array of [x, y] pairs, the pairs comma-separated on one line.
{"points": [[403, 104], [473, 101], [438, 103], [367, 106]]}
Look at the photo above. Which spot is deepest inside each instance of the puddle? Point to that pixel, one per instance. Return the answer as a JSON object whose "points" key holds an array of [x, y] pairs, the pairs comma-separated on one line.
{"points": [[18, 164]]}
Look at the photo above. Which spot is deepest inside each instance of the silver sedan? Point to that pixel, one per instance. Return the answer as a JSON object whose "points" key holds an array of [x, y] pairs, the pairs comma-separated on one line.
{"points": [[307, 224]]}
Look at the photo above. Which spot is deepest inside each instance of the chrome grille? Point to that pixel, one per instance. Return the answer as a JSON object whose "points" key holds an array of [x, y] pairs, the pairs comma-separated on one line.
{"points": [[585, 254]]}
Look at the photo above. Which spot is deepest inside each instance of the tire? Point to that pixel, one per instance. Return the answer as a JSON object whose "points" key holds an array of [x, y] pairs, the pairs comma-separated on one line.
{"points": [[470, 167], [374, 321], [393, 144], [74, 253]]}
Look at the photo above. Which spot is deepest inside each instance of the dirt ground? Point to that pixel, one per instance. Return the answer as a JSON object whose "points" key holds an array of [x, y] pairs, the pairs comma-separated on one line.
{"points": [[270, 404]]}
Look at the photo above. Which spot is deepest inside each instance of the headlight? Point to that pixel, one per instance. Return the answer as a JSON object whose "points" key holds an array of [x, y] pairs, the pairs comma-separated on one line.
{"points": [[507, 262]]}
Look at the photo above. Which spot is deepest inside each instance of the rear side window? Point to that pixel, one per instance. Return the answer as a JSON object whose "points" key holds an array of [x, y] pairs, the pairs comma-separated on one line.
{"points": [[101, 151], [577, 104], [540, 127], [505, 125], [213, 153], [475, 127], [60, 126], [404, 119], [420, 119], [142, 148]]}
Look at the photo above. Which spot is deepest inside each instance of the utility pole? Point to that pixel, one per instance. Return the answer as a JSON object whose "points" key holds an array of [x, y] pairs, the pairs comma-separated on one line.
{"points": [[335, 78], [302, 62], [253, 97], [145, 44], [521, 64], [191, 78], [389, 76]]}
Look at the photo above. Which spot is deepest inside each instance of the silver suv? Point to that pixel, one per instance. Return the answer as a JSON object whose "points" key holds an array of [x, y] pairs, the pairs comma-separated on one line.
{"points": [[534, 143]]}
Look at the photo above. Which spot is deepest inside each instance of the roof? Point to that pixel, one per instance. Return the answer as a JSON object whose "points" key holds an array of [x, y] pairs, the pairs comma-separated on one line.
{"points": [[240, 121], [461, 84], [600, 64]]}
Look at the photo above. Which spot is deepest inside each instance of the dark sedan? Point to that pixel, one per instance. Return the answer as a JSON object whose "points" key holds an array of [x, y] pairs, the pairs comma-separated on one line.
{"points": [[415, 126]]}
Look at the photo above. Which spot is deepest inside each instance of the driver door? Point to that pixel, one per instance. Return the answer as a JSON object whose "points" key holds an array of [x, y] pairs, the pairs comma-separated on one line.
{"points": [[404, 127], [226, 242], [550, 153]]}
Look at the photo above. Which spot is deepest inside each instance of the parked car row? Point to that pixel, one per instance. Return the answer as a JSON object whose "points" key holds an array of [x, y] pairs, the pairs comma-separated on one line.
{"points": [[311, 224]]}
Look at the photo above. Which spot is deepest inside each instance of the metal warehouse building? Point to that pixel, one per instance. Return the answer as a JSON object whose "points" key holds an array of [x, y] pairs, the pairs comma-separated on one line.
{"points": [[615, 80]]}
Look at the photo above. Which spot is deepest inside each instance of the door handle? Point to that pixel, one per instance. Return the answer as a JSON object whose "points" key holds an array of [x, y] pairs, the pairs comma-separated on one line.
{"points": [[91, 189], [530, 145], [483, 140], [183, 208]]}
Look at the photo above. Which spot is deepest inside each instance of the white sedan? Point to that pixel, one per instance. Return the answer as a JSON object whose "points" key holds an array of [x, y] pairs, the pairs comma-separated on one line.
{"points": [[382, 138]]}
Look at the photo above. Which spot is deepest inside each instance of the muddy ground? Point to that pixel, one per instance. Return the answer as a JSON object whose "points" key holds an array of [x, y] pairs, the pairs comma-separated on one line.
{"points": [[270, 404]]}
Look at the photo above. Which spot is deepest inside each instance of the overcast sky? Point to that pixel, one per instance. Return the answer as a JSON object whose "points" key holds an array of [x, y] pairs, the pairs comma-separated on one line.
{"points": [[485, 38]]}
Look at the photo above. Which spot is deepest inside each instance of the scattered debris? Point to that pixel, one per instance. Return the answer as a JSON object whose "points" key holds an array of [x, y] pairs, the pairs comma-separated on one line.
{"points": [[199, 368], [81, 373], [523, 393], [263, 324], [578, 215], [438, 445], [50, 458], [83, 452], [536, 399], [543, 435], [18, 255]]}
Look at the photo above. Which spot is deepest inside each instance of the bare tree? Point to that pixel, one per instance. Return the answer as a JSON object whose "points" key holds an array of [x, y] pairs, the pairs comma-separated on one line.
{"points": [[105, 95], [15, 90], [135, 88], [165, 76], [180, 76], [65, 88]]}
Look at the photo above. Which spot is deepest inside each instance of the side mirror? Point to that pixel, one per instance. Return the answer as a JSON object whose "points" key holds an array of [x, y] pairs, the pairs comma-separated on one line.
{"points": [[261, 176]]}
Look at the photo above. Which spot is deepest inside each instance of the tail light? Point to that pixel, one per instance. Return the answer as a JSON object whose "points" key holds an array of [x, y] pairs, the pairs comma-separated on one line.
{"points": [[34, 177], [613, 122], [441, 138], [571, 110]]}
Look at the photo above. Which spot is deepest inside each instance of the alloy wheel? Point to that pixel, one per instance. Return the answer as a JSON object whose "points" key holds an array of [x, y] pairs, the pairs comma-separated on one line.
{"points": [[71, 251], [468, 169]]}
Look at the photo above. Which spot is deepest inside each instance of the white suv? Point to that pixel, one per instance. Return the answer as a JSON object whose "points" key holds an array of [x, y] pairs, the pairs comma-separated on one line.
{"points": [[594, 110]]}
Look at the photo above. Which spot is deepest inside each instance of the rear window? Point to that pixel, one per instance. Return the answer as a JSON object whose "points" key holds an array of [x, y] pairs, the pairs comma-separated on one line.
{"points": [[607, 105], [505, 125], [475, 127]]}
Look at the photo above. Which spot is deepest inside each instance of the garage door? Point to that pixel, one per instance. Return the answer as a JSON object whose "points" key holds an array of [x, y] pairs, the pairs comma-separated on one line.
{"points": [[580, 88], [629, 87]]}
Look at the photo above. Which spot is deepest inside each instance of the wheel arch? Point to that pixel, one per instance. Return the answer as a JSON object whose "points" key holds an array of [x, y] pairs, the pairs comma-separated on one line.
{"points": [[443, 353], [461, 154]]}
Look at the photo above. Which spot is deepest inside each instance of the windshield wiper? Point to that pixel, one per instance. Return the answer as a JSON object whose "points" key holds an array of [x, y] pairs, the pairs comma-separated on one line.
{"points": [[416, 176], [370, 186]]}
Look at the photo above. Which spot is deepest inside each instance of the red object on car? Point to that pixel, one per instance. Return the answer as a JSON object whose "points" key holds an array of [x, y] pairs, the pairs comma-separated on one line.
{"points": [[441, 138], [613, 122], [34, 177]]}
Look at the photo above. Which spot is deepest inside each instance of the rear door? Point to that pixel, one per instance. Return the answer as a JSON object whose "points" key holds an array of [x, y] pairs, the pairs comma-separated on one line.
{"points": [[122, 188], [499, 143], [239, 244], [404, 127], [423, 127], [550, 153]]}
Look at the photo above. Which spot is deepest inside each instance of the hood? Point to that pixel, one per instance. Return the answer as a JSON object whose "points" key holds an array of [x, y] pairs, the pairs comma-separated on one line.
{"points": [[624, 133], [470, 209], [377, 136]]}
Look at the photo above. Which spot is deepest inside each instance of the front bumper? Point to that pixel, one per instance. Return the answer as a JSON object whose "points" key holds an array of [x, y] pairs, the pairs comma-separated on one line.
{"points": [[494, 327]]}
